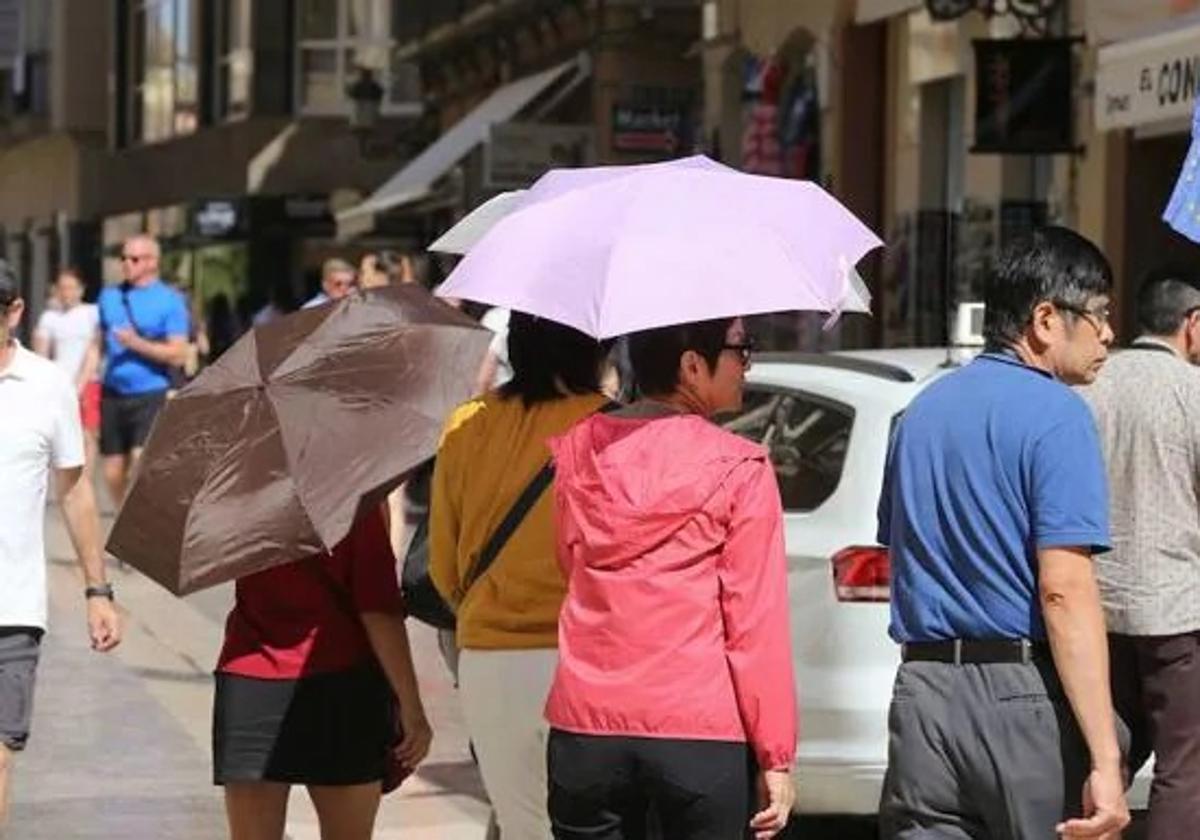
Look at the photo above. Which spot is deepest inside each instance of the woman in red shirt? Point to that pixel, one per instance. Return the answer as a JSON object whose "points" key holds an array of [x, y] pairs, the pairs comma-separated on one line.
{"points": [[315, 660]]}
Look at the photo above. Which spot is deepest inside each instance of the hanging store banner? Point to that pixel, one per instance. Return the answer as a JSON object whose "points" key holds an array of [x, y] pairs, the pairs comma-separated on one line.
{"points": [[517, 154], [1116, 20], [1148, 80], [1023, 97]]}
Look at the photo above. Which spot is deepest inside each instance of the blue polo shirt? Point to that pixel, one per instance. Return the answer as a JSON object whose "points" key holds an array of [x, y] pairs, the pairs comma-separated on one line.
{"points": [[159, 312], [988, 465]]}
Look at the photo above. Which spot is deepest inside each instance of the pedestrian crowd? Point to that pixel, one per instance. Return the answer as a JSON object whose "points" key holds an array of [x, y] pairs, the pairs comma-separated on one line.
{"points": [[623, 654]]}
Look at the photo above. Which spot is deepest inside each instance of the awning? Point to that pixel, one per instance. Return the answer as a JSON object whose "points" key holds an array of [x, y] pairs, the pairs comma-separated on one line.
{"points": [[416, 180], [1148, 80], [869, 11]]}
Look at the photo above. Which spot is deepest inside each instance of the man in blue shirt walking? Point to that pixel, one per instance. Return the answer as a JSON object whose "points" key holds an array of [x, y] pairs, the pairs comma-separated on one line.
{"points": [[145, 327], [994, 500]]}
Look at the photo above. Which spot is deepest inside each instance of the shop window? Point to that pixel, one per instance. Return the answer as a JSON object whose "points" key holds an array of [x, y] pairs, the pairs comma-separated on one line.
{"points": [[166, 80], [335, 38], [235, 58]]}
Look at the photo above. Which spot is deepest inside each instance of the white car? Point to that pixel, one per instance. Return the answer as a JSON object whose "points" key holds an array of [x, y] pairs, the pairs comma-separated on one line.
{"points": [[826, 420]]}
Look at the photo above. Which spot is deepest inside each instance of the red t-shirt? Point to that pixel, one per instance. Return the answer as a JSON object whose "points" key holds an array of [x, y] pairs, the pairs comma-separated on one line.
{"points": [[288, 622]]}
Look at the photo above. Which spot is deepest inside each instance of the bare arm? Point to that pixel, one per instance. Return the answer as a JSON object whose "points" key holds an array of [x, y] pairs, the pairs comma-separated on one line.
{"points": [[1070, 601], [83, 524], [41, 344], [389, 640], [172, 351]]}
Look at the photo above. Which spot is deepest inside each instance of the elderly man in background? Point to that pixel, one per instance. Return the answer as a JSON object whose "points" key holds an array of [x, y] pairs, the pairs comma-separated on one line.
{"points": [[1147, 407], [337, 281]]}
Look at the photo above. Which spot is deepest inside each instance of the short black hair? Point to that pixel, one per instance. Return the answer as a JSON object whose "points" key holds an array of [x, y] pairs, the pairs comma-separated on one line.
{"points": [[655, 354], [1167, 296], [548, 357], [1048, 264], [10, 290]]}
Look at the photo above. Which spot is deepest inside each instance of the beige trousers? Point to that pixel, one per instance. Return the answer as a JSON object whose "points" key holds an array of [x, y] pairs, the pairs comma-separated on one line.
{"points": [[503, 695]]}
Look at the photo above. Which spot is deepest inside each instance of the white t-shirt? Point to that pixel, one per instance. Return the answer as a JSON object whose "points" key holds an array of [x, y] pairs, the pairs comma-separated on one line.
{"points": [[39, 432], [69, 332]]}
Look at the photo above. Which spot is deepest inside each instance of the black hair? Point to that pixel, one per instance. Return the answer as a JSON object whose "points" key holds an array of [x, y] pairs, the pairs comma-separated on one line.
{"points": [[1167, 296], [390, 263], [654, 354], [10, 290], [548, 358], [1048, 264]]}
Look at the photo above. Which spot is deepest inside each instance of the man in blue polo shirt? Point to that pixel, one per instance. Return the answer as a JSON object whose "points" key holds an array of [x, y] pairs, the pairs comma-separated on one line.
{"points": [[145, 327], [994, 500]]}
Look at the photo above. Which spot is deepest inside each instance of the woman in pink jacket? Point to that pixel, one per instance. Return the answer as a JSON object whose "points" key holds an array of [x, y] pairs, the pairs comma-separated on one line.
{"points": [[674, 691]]}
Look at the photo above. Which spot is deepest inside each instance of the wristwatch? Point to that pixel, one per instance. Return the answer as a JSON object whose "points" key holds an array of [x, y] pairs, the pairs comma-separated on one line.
{"points": [[104, 590]]}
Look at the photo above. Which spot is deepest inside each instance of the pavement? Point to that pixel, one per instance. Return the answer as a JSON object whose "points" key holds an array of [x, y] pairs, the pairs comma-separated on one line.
{"points": [[120, 742]]}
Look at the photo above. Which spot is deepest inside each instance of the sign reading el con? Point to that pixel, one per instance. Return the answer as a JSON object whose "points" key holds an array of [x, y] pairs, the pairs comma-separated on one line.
{"points": [[1149, 80]]}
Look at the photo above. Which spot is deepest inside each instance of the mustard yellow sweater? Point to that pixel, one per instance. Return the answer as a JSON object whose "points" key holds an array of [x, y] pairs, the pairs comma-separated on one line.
{"points": [[491, 448]]}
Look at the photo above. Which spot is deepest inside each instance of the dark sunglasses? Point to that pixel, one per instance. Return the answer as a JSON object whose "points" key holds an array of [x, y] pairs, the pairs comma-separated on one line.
{"points": [[744, 350]]}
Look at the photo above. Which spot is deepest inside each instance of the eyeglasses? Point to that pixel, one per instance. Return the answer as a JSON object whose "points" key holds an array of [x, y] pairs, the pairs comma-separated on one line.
{"points": [[1097, 317], [744, 350]]}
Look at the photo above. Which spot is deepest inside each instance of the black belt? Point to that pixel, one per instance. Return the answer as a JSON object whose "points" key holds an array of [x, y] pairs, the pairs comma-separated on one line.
{"points": [[975, 652]]}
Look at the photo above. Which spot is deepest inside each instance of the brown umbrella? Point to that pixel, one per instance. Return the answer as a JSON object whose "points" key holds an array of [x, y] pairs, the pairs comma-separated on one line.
{"points": [[270, 454]]}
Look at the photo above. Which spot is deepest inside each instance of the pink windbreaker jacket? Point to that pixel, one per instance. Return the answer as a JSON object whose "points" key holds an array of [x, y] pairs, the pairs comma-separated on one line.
{"points": [[675, 625]]}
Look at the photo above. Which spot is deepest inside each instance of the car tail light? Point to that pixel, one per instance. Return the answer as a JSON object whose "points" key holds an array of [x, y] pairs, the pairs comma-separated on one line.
{"points": [[862, 573]]}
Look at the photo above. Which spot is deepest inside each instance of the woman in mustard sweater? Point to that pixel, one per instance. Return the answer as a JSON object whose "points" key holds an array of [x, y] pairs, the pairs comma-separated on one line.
{"points": [[507, 632]]}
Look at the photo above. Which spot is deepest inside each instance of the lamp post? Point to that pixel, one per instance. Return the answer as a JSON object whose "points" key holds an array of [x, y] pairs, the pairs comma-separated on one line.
{"points": [[366, 98]]}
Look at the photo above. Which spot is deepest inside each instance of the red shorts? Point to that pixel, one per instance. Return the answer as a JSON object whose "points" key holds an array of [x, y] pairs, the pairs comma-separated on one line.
{"points": [[89, 407]]}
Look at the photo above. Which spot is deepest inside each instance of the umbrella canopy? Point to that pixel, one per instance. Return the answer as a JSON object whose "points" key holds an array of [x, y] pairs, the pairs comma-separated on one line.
{"points": [[270, 454], [648, 246]]}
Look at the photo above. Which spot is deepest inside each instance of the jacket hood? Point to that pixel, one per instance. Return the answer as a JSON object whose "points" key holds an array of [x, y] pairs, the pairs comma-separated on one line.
{"points": [[630, 484]]}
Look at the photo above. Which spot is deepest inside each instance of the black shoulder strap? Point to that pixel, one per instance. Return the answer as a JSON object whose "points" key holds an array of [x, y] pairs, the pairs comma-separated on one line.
{"points": [[128, 308], [515, 516]]}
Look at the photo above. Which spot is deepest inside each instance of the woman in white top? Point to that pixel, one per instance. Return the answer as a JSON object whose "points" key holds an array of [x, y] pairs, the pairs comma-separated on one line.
{"points": [[70, 336]]}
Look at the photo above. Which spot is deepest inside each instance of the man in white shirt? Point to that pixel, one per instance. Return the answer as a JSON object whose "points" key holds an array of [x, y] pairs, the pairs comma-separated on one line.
{"points": [[40, 440], [70, 336]]}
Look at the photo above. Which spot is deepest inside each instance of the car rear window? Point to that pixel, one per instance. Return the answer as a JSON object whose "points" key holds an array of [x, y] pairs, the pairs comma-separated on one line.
{"points": [[807, 437]]}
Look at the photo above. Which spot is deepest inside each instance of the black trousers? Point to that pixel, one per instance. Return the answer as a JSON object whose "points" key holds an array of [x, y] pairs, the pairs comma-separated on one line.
{"points": [[605, 787]]}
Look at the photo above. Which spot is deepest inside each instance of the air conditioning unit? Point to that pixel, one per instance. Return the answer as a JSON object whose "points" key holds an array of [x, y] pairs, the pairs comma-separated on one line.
{"points": [[967, 330]]}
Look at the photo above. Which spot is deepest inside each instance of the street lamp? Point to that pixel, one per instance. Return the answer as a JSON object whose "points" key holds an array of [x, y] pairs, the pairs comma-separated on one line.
{"points": [[366, 98]]}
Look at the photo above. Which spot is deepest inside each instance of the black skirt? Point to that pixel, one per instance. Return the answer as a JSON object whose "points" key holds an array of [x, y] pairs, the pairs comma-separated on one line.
{"points": [[326, 729]]}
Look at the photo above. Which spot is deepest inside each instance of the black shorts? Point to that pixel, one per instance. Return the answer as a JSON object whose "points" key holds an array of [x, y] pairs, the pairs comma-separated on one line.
{"points": [[125, 421], [19, 648], [327, 729]]}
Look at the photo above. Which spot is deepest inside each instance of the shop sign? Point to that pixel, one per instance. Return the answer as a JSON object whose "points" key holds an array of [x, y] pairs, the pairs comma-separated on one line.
{"points": [[1148, 80], [648, 128], [1023, 96], [517, 154], [307, 208], [216, 218]]}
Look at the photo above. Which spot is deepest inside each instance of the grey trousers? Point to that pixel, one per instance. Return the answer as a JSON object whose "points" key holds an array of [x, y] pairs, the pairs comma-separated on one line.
{"points": [[981, 752]]}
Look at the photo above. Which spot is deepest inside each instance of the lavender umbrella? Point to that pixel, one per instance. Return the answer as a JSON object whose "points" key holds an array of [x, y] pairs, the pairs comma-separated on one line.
{"points": [[613, 252]]}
